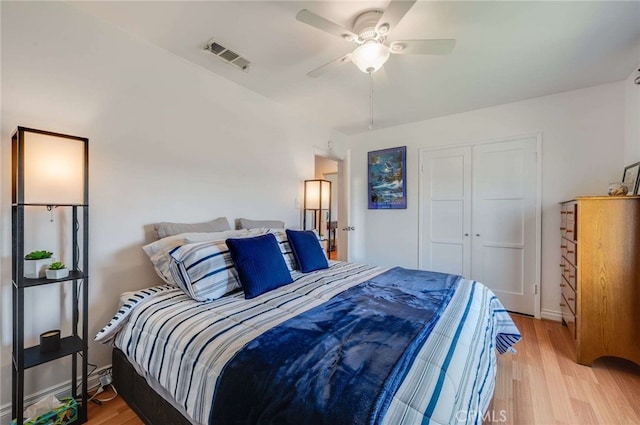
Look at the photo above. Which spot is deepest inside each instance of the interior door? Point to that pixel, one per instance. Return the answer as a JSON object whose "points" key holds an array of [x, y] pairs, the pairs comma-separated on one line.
{"points": [[505, 221], [446, 210]]}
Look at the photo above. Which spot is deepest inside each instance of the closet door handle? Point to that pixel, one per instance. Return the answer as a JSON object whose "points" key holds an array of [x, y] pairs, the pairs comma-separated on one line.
{"points": [[477, 234], [466, 234]]}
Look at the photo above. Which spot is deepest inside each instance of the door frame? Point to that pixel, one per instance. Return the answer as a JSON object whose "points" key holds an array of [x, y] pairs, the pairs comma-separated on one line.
{"points": [[538, 213]]}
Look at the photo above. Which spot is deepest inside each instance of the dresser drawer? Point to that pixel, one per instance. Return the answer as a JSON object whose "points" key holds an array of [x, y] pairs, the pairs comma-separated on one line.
{"points": [[569, 251], [568, 317], [570, 230], [568, 272], [568, 221], [569, 295], [571, 209]]}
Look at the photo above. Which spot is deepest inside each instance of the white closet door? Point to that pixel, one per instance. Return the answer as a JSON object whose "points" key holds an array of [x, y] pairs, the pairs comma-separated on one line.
{"points": [[445, 210], [504, 224]]}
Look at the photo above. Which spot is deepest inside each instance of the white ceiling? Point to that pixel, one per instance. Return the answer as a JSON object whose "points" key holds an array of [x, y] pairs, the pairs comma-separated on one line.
{"points": [[506, 51]]}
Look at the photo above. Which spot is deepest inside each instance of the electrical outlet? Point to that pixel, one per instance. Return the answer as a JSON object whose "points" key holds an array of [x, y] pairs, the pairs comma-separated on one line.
{"points": [[106, 380]]}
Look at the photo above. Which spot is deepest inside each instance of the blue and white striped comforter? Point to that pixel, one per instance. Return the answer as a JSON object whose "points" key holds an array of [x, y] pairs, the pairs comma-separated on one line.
{"points": [[182, 345]]}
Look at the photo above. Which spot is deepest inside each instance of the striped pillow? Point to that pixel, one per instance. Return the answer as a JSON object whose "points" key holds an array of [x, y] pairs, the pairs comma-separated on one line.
{"points": [[285, 248], [204, 270], [159, 250]]}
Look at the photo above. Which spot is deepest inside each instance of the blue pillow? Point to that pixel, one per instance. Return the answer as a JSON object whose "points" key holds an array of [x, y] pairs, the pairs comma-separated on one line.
{"points": [[259, 263], [307, 250]]}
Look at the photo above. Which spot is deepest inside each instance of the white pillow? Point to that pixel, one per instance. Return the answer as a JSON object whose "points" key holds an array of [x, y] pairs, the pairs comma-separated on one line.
{"points": [[158, 251]]}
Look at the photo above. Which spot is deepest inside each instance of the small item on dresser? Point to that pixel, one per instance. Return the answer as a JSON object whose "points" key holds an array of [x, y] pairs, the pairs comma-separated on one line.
{"points": [[618, 189], [50, 341]]}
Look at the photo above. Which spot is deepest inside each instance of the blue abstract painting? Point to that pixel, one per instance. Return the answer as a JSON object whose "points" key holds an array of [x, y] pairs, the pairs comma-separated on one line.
{"points": [[386, 182]]}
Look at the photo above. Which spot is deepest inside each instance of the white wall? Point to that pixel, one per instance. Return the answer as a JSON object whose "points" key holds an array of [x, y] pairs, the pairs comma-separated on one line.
{"points": [[169, 141], [632, 118], [582, 151]]}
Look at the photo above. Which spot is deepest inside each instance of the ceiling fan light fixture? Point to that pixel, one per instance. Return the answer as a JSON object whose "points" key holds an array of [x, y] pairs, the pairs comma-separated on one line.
{"points": [[370, 57]]}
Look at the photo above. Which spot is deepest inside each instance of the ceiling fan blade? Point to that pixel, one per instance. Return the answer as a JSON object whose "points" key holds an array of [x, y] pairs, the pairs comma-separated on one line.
{"points": [[329, 66], [394, 13], [423, 47], [325, 25]]}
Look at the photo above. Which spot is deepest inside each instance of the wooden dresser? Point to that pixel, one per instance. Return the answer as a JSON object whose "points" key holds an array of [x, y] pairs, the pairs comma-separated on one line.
{"points": [[600, 282]]}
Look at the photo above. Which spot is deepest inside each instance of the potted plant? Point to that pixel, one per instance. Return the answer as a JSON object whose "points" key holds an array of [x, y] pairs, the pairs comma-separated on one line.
{"points": [[36, 262], [57, 270]]}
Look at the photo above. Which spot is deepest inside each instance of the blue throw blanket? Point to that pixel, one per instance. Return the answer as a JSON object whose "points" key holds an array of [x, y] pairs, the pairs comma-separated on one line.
{"points": [[338, 363]]}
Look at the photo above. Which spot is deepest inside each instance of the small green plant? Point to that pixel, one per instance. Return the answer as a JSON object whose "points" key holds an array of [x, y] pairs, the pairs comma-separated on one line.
{"points": [[38, 255], [57, 266]]}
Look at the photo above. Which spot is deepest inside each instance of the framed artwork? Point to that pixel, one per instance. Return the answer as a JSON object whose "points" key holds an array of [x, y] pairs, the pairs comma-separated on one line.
{"points": [[386, 183], [631, 177]]}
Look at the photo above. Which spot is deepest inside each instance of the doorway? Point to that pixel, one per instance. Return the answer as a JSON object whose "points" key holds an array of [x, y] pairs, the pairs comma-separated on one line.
{"points": [[327, 169]]}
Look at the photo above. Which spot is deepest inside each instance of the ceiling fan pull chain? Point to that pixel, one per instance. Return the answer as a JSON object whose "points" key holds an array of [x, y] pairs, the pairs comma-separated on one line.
{"points": [[370, 101]]}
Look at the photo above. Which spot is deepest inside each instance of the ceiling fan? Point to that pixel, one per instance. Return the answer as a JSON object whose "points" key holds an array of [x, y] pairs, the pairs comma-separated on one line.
{"points": [[370, 32]]}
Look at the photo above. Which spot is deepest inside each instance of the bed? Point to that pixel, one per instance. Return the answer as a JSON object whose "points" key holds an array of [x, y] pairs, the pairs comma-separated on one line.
{"points": [[349, 343]]}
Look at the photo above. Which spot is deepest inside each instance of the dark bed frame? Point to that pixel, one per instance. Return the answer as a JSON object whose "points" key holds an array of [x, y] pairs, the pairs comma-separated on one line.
{"points": [[133, 388]]}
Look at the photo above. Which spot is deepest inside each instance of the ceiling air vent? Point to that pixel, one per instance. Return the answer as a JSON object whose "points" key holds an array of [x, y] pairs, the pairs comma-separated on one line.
{"points": [[226, 55]]}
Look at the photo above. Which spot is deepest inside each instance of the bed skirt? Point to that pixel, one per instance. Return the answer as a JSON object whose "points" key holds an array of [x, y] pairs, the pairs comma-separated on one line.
{"points": [[141, 398]]}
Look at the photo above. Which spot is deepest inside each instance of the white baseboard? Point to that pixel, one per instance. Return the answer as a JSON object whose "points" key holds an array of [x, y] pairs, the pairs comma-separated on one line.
{"points": [[61, 390], [556, 316]]}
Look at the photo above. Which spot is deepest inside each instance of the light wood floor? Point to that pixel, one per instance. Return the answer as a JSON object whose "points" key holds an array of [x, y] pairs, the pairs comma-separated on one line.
{"points": [[114, 412], [541, 384]]}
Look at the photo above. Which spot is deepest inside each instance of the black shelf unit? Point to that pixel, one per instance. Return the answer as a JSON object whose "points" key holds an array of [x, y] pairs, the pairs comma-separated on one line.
{"points": [[75, 344]]}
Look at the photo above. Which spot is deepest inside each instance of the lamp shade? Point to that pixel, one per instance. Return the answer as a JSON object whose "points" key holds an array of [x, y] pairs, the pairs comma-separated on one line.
{"points": [[370, 56], [53, 169], [317, 194]]}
